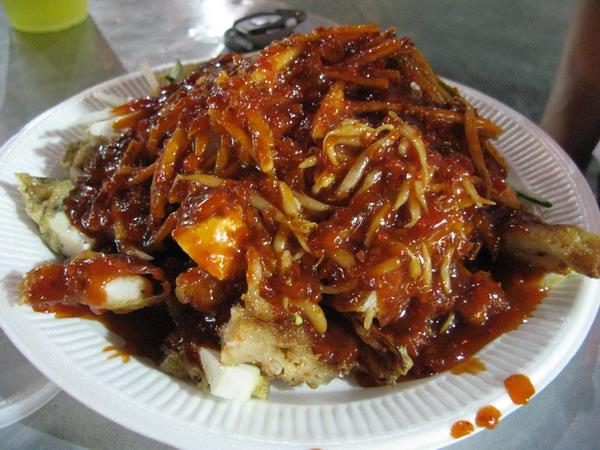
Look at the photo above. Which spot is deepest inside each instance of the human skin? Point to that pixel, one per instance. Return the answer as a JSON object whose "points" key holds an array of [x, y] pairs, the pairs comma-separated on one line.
{"points": [[572, 113]]}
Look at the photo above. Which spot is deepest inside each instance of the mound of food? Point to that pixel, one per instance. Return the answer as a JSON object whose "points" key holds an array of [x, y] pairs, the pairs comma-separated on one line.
{"points": [[327, 206]]}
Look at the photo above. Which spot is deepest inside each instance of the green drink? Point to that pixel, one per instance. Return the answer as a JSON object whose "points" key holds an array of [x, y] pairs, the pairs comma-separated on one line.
{"points": [[40, 16]]}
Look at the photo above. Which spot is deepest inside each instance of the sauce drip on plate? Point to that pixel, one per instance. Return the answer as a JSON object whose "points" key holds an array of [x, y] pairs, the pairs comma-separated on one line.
{"points": [[461, 428], [143, 331], [488, 417], [116, 352], [471, 366], [519, 388]]}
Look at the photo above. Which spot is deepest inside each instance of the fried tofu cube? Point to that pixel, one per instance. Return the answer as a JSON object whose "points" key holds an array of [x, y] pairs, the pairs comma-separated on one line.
{"points": [[215, 243]]}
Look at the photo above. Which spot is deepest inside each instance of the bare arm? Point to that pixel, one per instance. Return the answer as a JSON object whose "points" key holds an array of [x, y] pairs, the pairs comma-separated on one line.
{"points": [[572, 114]]}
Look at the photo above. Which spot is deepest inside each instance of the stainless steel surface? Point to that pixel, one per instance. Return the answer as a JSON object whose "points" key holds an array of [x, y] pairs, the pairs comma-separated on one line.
{"points": [[508, 50]]}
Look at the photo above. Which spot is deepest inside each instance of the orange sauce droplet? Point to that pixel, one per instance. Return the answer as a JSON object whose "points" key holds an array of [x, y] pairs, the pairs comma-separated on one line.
{"points": [[461, 428], [519, 388], [117, 352], [488, 417], [472, 366]]}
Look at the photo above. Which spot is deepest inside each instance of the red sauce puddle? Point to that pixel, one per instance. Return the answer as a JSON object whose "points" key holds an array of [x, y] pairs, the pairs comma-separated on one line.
{"points": [[143, 331], [471, 366]]}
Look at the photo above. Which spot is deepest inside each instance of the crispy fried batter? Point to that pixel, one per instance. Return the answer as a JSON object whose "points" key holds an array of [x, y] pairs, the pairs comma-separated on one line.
{"points": [[556, 248], [43, 199], [281, 351], [79, 154]]}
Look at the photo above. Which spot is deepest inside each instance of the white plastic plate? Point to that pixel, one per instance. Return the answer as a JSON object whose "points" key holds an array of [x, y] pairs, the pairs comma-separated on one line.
{"points": [[338, 416]]}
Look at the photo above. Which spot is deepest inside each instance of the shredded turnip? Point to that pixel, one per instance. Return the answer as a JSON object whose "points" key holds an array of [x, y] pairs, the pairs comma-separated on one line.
{"points": [[110, 99], [102, 128], [94, 116], [154, 87]]}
